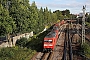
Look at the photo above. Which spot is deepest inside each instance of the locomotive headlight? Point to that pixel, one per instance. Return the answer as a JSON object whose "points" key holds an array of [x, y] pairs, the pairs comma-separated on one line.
{"points": [[50, 40], [45, 45], [48, 45]]}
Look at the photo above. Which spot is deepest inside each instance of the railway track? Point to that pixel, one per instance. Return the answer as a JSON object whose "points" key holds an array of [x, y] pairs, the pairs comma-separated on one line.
{"points": [[66, 48], [47, 56], [67, 54], [42, 56], [71, 46]]}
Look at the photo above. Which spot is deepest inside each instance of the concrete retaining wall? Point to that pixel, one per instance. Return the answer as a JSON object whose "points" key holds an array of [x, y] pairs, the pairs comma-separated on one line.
{"points": [[14, 39]]}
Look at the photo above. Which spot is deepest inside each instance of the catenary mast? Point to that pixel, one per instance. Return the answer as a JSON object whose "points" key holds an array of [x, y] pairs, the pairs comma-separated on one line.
{"points": [[83, 25]]}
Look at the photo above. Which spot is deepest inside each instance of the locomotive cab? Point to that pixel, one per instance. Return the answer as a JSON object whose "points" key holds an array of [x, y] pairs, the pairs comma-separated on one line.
{"points": [[49, 41]]}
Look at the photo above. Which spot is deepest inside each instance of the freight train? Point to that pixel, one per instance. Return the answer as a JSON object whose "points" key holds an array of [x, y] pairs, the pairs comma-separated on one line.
{"points": [[51, 38]]}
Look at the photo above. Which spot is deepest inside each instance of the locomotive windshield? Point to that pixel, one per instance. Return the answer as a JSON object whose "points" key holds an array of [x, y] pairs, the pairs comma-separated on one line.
{"points": [[55, 28], [50, 41], [51, 34]]}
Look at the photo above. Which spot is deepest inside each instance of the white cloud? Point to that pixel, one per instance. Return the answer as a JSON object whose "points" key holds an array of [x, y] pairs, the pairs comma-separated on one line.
{"points": [[53, 5], [88, 1], [73, 5]]}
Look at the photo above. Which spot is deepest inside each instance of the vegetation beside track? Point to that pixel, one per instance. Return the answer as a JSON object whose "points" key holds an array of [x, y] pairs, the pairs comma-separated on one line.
{"points": [[85, 50], [24, 49], [16, 53], [88, 24]]}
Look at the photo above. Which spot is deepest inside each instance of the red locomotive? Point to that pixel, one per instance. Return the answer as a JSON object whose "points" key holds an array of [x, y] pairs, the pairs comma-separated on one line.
{"points": [[51, 38], [50, 41]]}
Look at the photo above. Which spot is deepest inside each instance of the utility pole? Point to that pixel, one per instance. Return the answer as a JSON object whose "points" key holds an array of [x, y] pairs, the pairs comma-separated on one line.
{"points": [[83, 25]]}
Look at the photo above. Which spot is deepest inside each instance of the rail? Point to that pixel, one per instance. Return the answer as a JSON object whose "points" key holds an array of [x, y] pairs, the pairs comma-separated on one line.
{"points": [[70, 46], [65, 50]]}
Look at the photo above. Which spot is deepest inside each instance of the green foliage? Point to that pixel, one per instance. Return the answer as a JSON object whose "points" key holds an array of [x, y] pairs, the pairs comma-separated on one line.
{"points": [[88, 24], [58, 13], [33, 43], [34, 18], [16, 54], [22, 42], [41, 20], [62, 14], [54, 17], [22, 17], [30, 47], [7, 25], [6, 52], [20, 14], [86, 49], [36, 42], [88, 18]]}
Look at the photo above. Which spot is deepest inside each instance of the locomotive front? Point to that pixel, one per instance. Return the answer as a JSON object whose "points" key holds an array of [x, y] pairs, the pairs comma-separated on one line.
{"points": [[49, 41]]}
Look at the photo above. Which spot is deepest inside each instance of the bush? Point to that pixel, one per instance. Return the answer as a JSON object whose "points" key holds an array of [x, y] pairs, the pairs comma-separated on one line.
{"points": [[86, 49], [88, 24], [36, 42], [16, 54], [6, 52], [22, 42]]}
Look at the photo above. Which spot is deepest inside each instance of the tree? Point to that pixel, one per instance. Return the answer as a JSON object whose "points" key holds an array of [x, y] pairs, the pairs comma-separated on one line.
{"points": [[34, 18], [47, 16], [41, 19], [20, 13], [59, 14], [7, 25], [66, 13], [54, 17], [22, 42]]}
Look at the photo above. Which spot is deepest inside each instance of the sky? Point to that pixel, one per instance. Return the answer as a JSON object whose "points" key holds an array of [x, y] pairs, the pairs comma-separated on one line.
{"points": [[75, 6]]}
